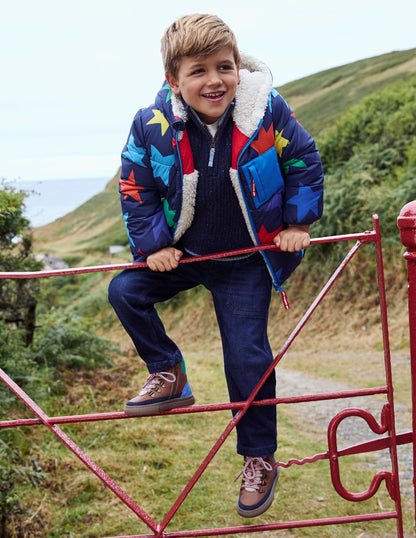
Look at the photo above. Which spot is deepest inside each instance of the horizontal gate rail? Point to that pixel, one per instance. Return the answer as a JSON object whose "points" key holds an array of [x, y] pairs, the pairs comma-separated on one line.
{"points": [[362, 237], [342, 520], [386, 426], [71, 419]]}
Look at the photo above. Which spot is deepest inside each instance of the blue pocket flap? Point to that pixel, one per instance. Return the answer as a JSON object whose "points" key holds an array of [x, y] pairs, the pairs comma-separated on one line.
{"points": [[263, 176]]}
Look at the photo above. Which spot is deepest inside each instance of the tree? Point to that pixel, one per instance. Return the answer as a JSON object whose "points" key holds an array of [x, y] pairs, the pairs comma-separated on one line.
{"points": [[18, 297]]}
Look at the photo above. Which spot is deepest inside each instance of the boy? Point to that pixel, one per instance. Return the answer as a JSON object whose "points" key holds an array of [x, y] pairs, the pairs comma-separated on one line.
{"points": [[218, 163]]}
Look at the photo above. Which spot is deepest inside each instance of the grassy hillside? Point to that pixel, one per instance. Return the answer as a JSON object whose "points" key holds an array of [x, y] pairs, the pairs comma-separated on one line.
{"points": [[320, 99], [88, 230]]}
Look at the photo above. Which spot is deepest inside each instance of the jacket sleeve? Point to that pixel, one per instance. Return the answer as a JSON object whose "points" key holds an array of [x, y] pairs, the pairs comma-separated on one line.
{"points": [[141, 199], [300, 164]]}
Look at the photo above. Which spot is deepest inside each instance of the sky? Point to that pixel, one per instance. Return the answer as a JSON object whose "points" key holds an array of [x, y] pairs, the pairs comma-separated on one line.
{"points": [[73, 74]]}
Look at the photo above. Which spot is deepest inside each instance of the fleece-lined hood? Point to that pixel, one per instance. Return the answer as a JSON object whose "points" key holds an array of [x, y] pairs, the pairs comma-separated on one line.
{"points": [[252, 94]]}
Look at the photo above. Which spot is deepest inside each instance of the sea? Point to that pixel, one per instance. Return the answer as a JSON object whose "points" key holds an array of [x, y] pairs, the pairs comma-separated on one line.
{"points": [[48, 200]]}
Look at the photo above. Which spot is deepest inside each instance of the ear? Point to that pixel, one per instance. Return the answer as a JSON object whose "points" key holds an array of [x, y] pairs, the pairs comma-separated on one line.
{"points": [[238, 73], [173, 83]]}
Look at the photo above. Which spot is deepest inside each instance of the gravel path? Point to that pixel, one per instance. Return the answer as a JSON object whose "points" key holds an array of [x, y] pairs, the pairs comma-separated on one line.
{"points": [[315, 417]]}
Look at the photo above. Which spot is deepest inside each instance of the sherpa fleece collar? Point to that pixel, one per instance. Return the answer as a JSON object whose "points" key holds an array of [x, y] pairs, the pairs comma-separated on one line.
{"points": [[251, 97]]}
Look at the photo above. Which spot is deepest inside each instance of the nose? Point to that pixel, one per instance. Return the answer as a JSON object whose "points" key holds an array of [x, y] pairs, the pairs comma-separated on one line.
{"points": [[214, 78]]}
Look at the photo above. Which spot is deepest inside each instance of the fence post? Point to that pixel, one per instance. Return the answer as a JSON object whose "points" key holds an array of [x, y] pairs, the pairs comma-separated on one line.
{"points": [[406, 222]]}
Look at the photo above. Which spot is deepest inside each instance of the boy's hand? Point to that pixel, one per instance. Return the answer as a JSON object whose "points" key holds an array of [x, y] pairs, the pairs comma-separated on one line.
{"points": [[164, 259], [293, 238]]}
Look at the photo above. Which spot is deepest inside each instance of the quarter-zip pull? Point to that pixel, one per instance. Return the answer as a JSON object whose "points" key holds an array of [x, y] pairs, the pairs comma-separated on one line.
{"points": [[213, 134], [211, 154]]}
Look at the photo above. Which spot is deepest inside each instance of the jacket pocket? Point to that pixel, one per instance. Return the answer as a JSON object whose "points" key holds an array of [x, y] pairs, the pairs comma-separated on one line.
{"points": [[263, 176]]}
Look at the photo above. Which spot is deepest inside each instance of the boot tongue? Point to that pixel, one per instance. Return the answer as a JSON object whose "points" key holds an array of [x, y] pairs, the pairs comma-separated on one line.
{"points": [[252, 478]]}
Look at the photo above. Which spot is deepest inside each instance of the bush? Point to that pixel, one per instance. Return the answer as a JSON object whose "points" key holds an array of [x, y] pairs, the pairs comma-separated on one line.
{"points": [[61, 343], [386, 118], [70, 342], [18, 297], [370, 168], [16, 359]]}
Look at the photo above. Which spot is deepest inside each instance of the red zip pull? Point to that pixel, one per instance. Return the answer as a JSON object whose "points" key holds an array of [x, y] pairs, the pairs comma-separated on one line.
{"points": [[284, 299], [253, 188]]}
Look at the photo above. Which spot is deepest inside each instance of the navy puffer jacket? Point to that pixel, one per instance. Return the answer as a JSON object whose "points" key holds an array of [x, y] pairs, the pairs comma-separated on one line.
{"points": [[276, 170]]}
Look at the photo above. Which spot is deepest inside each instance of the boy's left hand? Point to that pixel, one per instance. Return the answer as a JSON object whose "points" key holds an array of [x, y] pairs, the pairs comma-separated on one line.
{"points": [[294, 238]]}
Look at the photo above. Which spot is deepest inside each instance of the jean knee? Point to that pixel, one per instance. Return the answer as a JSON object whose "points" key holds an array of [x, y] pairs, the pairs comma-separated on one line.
{"points": [[116, 289]]}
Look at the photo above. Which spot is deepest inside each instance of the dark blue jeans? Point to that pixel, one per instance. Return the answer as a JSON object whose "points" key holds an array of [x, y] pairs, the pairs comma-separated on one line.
{"points": [[241, 291]]}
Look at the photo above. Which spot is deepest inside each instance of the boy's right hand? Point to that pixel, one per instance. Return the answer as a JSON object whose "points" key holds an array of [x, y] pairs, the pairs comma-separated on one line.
{"points": [[164, 259]]}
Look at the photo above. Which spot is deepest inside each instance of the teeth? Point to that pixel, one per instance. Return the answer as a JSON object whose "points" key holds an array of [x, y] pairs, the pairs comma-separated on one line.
{"points": [[214, 94]]}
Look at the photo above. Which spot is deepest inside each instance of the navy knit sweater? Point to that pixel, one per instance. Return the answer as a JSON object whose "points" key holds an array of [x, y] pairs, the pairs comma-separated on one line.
{"points": [[218, 223]]}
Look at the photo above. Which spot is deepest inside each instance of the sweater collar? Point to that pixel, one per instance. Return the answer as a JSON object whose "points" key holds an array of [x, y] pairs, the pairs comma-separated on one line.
{"points": [[194, 115]]}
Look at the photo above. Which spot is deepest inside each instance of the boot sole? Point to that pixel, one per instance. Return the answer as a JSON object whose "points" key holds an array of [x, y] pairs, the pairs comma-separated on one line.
{"points": [[159, 407]]}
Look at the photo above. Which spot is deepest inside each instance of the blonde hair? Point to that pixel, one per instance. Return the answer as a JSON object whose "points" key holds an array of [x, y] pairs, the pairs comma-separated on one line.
{"points": [[195, 35]]}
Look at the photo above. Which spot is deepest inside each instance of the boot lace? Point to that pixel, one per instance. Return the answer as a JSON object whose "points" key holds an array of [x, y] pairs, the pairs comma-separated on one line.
{"points": [[156, 381], [253, 473]]}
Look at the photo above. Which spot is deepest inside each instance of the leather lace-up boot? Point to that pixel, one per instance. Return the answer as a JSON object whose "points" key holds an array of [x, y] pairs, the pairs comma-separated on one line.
{"points": [[258, 485], [161, 392]]}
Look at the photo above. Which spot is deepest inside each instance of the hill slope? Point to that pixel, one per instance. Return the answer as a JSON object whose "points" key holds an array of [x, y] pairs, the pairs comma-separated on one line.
{"points": [[92, 227], [318, 100]]}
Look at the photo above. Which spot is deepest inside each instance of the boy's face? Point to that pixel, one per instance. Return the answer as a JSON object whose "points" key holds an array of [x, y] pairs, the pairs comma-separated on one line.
{"points": [[207, 83]]}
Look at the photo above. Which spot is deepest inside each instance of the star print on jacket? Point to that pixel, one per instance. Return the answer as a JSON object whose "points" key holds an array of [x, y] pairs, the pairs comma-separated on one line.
{"points": [[306, 201], [169, 92], [297, 163], [134, 153], [265, 140], [159, 119], [128, 187], [280, 142], [161, 165]]}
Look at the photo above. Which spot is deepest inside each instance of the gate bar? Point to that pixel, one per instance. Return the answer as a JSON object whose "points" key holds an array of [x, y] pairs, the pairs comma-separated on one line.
{"points": [[116, 415], [363, 237], [406, 222], [341, 520], [242, 406], [389, 377]]}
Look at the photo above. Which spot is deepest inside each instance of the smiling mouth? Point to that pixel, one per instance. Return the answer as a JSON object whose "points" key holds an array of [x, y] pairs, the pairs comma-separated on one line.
{"points": [[214, 95]]}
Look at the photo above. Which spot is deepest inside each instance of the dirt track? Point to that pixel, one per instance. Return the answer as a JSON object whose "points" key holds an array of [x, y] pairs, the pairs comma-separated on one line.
{"points": [[314, 417]]}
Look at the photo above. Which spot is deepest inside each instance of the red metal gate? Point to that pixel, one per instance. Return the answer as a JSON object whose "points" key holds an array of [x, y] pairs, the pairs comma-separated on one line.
{"points": [[385, 428]]}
